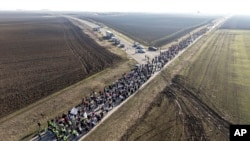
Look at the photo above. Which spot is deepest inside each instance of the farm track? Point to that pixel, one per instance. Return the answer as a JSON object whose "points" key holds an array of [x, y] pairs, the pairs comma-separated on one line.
{"points": [[219, 50], [153, 126], [19, 23], [192, 115], [72, 48], [213, 42], [235, 92], [29, 60], [66, 38], [184, 93], [226, 44], [214, 51], [92, 51]]}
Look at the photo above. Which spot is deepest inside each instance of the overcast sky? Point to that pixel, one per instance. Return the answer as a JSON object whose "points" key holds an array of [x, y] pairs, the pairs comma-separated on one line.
{"points": [[158, 6]]}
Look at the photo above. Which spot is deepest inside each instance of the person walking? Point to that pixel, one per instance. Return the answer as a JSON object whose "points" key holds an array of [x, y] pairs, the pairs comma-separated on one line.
{"points": [[39, 130]]}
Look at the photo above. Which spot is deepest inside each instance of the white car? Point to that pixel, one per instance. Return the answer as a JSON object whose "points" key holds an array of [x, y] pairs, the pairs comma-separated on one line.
{"points": [[141, 51], [140, 47], [136, 44]]}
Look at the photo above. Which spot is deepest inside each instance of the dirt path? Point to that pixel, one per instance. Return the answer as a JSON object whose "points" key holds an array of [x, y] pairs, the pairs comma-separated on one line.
{"points": [[203, 111], [208, 65]]}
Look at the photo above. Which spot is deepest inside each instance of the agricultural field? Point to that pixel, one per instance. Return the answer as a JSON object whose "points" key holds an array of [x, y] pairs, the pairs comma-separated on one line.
{"points": [[153, 29], [221, 76], [195, 98], [211, 92], [41, 54], [166, 110], [237, 22]]}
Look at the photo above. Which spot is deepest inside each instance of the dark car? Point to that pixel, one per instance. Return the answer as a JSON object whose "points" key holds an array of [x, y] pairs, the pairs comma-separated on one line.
{"points": [[152, 48], [121, 45]]}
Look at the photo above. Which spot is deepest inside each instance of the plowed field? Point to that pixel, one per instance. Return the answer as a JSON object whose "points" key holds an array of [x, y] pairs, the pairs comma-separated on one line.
{"points": [[41, 55], [153, 29]]}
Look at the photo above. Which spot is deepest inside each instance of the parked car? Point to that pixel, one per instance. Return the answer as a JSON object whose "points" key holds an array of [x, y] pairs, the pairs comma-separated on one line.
{"points": [[136, 44], [141, 51], [121, 45], [152, 48], [140, 47]]}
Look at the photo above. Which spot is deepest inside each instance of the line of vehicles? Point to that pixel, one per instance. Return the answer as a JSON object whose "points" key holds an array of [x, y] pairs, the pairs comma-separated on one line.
{"points": [[115, 41], [141, 49]]}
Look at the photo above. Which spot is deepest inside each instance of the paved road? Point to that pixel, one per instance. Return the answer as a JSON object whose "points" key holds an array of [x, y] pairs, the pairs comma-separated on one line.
{"points": [[131, 51], [46, 136]]}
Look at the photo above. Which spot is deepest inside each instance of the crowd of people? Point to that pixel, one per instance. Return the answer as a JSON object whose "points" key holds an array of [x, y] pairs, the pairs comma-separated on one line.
{"points": [[82, 118]]}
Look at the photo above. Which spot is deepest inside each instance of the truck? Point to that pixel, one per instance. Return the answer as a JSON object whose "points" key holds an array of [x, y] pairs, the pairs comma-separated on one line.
{"points": [[109, 34]]}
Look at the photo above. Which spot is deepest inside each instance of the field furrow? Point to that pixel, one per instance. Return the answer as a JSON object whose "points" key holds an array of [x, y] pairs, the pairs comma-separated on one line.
{"points": [[42, 56]]}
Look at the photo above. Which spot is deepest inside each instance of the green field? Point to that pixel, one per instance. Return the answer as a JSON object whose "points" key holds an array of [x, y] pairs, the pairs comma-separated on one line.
{"points": [[220, 74]]}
